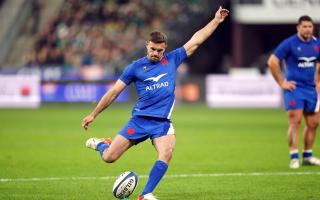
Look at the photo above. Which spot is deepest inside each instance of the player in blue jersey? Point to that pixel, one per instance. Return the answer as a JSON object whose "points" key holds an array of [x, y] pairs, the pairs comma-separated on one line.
{"points": [[301, 55], [154, 77]]}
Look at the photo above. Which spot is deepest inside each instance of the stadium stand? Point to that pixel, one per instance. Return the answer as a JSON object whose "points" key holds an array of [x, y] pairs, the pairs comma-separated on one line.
{"points": [[106, 33], [23, 42], [1, 2]]}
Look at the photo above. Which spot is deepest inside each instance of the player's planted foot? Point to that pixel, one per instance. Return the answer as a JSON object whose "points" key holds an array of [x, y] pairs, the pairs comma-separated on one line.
{"points": [[311, 161], [294, 164], [92, 143], [148, 196]]}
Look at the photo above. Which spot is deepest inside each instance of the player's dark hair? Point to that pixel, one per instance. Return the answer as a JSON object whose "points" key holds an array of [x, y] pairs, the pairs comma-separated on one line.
{"points": [[158, 37], [304, 18]]}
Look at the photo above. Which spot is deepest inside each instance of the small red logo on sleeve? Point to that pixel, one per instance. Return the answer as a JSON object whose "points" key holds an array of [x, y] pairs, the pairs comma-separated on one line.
{"points": [[164, 61], [130, 131]]}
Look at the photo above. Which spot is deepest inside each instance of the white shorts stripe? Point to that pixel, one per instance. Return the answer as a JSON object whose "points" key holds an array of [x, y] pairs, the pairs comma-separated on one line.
{"points": [[169, 115], [171, 130], [317, 106]]}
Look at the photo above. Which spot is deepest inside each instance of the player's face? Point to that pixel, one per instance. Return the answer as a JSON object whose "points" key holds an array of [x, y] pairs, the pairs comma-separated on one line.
{"points": [[305, 30], [155, 51]]}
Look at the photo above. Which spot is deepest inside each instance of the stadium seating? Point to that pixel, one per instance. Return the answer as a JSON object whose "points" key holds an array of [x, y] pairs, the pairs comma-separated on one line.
{"points": [[104, 33]]}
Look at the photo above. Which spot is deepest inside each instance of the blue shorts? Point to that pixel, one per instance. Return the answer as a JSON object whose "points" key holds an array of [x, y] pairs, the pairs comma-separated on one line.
{"points": [[140, 128], [301, 98]]}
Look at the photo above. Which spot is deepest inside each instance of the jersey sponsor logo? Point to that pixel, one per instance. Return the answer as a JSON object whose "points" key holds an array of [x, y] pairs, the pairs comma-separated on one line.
{"points": [[316, 48], [156, 85], [306, 62], [156, 78]]}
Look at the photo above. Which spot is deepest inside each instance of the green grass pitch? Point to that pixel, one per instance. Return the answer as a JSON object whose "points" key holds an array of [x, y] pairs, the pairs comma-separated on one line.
{"points": [[221, 154]]}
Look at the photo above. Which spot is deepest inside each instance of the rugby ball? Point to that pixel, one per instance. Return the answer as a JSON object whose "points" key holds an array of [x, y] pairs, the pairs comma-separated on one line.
{"points": [[125, 185]]}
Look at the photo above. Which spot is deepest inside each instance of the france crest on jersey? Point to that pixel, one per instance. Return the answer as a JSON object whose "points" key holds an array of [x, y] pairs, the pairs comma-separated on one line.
{"points": [[155, 83]]}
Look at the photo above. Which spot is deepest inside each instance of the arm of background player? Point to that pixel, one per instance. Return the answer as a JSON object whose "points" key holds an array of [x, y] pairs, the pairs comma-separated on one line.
{"points": [[200, 36], [105, 101], [316, 79], [274, 66]]}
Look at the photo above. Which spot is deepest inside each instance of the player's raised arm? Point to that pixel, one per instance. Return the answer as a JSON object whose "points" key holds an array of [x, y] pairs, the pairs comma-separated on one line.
{"points": [[105, 101], [200, 36]]}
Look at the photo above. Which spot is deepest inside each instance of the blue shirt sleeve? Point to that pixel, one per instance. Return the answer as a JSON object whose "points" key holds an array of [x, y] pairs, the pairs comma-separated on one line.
{"points": [[127, 75], [282, 50], [179, 55]]}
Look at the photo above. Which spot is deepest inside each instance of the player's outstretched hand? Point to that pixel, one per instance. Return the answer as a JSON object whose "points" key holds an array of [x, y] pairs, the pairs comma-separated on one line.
{"points": [[288, 85], [221, 14], [86, 121]]}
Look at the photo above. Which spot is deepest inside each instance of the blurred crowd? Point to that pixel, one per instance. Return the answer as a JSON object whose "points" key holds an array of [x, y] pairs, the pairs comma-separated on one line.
{"points": [[1, 2], [107, 33]]}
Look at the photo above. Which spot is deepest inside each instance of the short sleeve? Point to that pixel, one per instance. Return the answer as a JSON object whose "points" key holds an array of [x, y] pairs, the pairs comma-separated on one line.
{"points": [[127, 75], [179, 55], [282, 50]]}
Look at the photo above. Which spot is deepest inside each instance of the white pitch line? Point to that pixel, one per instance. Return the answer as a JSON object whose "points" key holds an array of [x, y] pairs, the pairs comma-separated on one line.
{"points": [[4, 180]]}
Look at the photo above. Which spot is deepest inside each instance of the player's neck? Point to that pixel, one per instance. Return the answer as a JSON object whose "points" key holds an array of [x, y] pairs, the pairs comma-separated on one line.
{"points": [[154, 62], [304, 39]]}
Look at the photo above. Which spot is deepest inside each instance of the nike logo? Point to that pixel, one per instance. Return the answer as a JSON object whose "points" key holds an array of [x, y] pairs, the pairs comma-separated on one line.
{"points": [[306, 59], [155, 79]]}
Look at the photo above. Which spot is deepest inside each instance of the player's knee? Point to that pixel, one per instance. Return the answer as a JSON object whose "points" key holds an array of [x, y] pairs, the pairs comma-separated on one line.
{"points": [[295, 123], [167, 153], [109, 158], [313, 125]]}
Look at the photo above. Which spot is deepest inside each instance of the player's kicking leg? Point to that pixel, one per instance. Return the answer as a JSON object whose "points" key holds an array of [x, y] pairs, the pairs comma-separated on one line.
{"points": [[109, 150], [312, 122]]}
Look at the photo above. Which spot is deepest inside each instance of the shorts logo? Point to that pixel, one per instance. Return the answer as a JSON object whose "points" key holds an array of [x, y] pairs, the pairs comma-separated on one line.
{"points": [[292, 102], [130, 131]]}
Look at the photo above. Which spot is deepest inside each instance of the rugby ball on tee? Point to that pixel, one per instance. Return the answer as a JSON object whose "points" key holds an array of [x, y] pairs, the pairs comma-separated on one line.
{"points": [[125, 185]]}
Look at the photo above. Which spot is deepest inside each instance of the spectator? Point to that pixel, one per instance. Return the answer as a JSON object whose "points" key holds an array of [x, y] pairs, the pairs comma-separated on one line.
{"points": [[36, 8], [103, 33]]}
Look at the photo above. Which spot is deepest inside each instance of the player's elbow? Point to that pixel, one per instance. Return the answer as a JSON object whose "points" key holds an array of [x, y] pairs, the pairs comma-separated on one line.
{"points": [[192, 49], [269, 62], [114, 93], [273, 61]]}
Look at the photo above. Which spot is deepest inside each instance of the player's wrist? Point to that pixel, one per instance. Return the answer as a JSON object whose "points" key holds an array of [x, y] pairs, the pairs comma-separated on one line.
{"points": [[93, 115], [281, 83], [216, 20]]}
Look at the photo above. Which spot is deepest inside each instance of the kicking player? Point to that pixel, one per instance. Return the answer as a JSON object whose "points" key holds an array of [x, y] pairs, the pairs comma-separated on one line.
{"points": [[301, 55], [154, 77]]}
